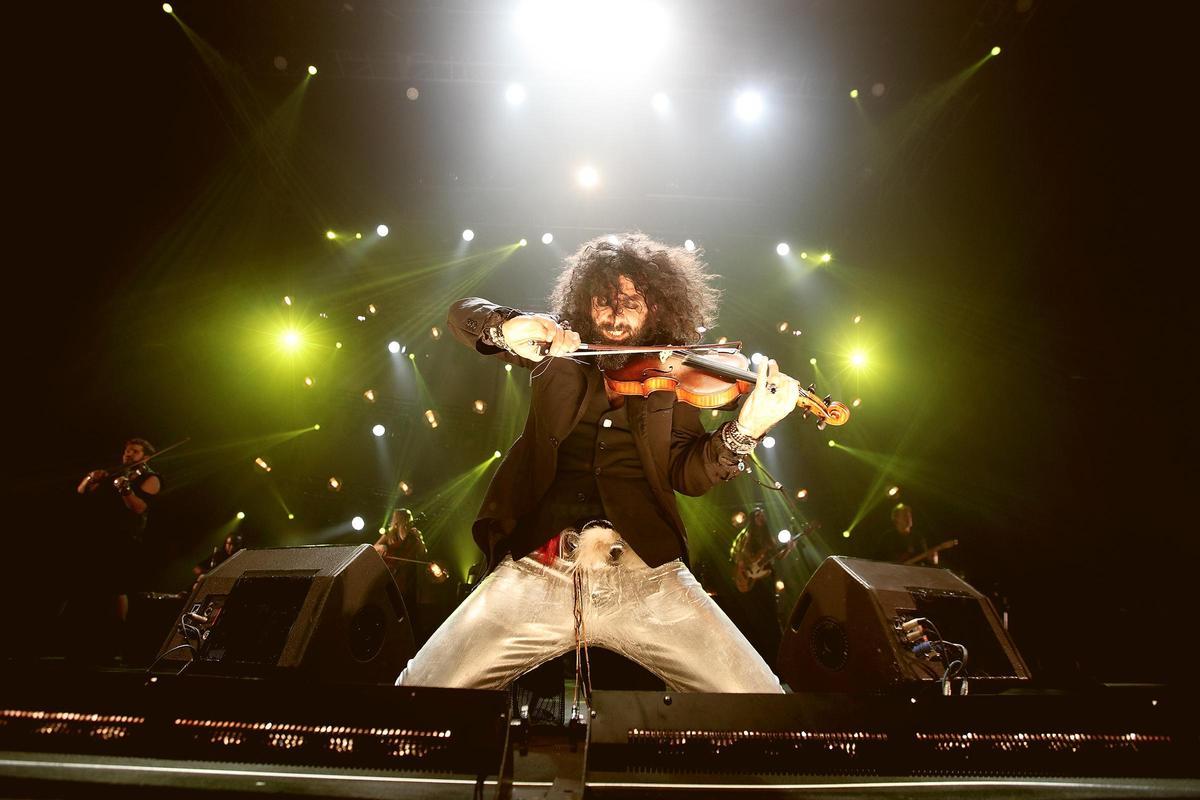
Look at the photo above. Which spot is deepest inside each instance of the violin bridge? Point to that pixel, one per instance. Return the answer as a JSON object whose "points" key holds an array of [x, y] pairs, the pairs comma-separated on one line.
{"points": [[664, 355]]}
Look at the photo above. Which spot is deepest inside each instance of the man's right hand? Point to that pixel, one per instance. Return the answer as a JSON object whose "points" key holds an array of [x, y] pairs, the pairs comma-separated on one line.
{"points": [[529, 334]]}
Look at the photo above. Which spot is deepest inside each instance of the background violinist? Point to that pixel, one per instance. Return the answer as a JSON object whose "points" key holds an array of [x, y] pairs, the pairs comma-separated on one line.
{"points": [[114, 514]]}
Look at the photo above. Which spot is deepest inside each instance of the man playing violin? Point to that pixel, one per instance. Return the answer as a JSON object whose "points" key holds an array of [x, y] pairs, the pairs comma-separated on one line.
{"points": [[115, 510], [580, 525]]}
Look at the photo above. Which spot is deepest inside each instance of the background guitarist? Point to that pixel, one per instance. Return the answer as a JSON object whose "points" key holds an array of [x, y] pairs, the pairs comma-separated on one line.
{"points": [[753, 553]]}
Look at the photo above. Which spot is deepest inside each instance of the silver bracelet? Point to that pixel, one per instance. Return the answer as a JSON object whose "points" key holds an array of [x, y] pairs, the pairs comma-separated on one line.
{"points": [[495, 335], [736, 440]]}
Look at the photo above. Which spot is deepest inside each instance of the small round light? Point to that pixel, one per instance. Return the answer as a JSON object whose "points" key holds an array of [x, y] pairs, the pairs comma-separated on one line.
{"points": [[287, 300], [784, 536], [779, 587], [330, 235], [588, 177], [832, 443], [826, 258], [382, 230], [801, 494], [468, 235], [768, 442], [312, 70], [317, 427], [291, 515], [241, 515], [547, 238], [845, 534], [168, 8], [857, 318], [523, 242], [813, 361], [358, 523], [996, 50], [508, 367], [739, 518], [854, 94], [497, 454], [378, 430], [689, 245], [308, 381], [480, 407], [782, 327], [393, 347], [749, 106], [338, 345], [857, 402], [893, 491], [358, 236], [412, 93], [783, 248]]}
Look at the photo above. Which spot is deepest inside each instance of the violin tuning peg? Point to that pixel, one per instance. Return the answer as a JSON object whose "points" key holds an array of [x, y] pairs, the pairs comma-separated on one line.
{"points": [[827, 399], [804, 414], [812, 387], [821, 425]]}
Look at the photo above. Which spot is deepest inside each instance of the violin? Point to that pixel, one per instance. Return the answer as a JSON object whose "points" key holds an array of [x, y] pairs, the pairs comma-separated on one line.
{"points": [[705, 376]]}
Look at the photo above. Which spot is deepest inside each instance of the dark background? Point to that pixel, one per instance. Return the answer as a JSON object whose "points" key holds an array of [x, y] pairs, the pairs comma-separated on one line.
{"points": [[1014, 239]]}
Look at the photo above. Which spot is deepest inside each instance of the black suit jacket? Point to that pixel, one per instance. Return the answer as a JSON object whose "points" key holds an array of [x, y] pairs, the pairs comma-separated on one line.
{"points": [[676, 452]]}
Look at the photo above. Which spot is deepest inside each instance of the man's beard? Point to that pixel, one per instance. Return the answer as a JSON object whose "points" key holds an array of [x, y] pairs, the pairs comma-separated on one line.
{"points": [[590, 332]]}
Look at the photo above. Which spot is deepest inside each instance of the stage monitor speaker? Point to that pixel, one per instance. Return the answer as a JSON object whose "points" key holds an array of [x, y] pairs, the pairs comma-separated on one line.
{"points": [[331, 612], [847, 634]]}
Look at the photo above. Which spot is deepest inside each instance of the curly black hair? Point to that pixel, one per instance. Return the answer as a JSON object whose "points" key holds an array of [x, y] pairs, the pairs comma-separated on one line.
{"points": [[679, 293]]}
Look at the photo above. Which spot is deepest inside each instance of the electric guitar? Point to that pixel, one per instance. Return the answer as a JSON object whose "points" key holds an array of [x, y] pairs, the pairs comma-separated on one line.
{"points": [[747, 572]]}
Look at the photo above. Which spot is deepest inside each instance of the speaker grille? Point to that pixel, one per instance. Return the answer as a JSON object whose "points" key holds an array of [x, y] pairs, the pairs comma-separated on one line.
{"points": [[829, 643]]}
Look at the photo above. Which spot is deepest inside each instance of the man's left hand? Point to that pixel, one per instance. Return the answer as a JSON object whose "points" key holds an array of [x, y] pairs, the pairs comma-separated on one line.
{"points": [[774, 397]]}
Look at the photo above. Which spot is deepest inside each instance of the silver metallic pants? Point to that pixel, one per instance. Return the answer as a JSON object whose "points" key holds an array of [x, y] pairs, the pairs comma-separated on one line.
{"points": [[524, 614]]}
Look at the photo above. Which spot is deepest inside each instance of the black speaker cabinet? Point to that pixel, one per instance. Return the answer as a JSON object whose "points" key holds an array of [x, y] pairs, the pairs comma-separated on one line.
{"points": [[330, 612], [845, 633]]}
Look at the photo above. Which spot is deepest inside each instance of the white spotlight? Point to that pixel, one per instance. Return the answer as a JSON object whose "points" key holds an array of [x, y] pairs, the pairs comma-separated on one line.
{"points": [[515, 94], [523, 242], [782, 248], [588, 177], [756, 359], [768, 441], [358, 523], [468, 235], [660, 102], [382, 230], [749, 106], [689, 245], [785, 536], [393, 347], [379, 430], [547, 238]]}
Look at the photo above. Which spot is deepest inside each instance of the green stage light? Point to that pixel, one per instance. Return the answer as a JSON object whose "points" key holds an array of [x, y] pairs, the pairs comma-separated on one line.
{"points": [[317, 427], [832, 443], [508, 367], [858, 358], [497, 454], [826, 258], [813, 361], [291, 516], [312, 70], [330, 235], [290, 339], [241, 515], [996, 50], [854, 94], [167, 8], [845, 534]]}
